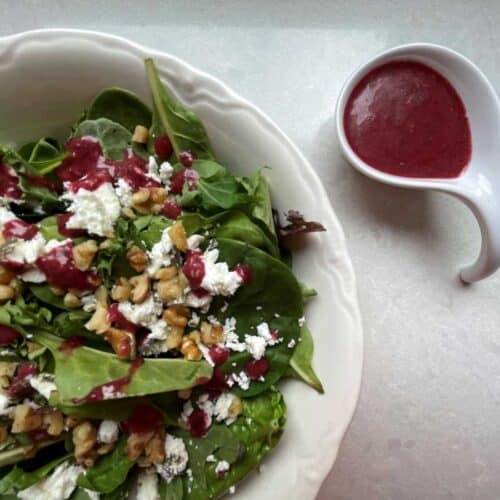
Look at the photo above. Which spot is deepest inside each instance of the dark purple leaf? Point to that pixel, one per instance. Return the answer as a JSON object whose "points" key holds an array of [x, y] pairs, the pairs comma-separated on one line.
{"points": [[296, 224]]}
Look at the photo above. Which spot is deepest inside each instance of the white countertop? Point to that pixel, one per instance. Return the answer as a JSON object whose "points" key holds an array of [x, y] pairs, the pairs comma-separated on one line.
{"points": [[430, 403]]}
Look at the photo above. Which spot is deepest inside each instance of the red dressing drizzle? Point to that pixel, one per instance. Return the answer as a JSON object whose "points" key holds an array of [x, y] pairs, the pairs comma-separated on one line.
{"points": [[244, 271], [8, 335], [194, 268], [19, 229], [60, 269], [115, 316], [70, 344], [256, 368], [114, 386], [9, 186], [144, 418], [62, 221], [198, 423]]}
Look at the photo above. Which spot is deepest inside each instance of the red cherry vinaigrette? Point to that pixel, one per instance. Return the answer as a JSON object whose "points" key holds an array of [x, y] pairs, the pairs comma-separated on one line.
{"points": [[406, 119]]}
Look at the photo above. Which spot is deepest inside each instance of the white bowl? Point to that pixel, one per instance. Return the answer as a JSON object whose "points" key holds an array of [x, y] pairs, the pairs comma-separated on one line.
{"points": [[48, 76], [479, 186]]}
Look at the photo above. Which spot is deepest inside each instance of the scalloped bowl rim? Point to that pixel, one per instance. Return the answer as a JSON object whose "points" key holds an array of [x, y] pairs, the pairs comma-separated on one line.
{"points": [[333, 238]]}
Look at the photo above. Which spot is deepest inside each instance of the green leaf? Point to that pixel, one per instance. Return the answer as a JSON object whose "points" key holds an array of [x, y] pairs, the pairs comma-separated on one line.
{"points": [[109, 472], [254, 434], [183, 127], [273, 296], [49, 229], [44, 294], [261, 208], [86, 368], [113, 137], [301, 360], [18, 479], [307, 292], [120, 106], [222, 193], [171, 491], [150, 231], [117, 410]]}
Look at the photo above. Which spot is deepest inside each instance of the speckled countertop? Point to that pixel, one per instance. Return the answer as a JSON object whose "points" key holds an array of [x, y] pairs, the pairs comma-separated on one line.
{"points": [[430, 402]]}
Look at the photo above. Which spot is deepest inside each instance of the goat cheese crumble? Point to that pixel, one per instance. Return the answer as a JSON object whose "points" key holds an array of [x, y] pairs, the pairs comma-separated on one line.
{"points": [[43, 384], [218, 279], [58, 486], [27, 251], [124, 193], [176, 458], [95, 211], [147, 485], [161, 254], [108, 432], [222, 467], [145, 314]]}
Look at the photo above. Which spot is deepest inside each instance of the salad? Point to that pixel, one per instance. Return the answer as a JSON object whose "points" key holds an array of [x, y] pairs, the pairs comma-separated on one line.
{"points": [[148, 310]]}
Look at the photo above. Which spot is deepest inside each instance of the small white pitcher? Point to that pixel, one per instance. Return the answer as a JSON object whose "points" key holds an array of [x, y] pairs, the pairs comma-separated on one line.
{"points": [[479, 186]]}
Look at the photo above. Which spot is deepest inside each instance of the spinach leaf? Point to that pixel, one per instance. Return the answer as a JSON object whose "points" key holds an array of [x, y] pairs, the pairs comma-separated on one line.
{"points": [[222, 193], [118, 409], [49, 229], [44, 155], [261, 208], [234, 225], [301, 361], [183, 127], [109, 472], [173, 490], [272, 296], [113, 137], [86, 368], [150, 228], [24, 316], [33, 196], [18, 479], [307, 292], [44, 294], [254, 434], [120, 106]]}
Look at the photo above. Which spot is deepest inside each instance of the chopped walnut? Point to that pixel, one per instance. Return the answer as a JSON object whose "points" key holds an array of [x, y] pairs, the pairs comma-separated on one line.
{"points": [[169, 290], [176, 316], [5, 275], [99, 322], [140, 134], [72, 301], [149, 200], [53, 422], [25, 419], [84, 253], [121, 290], [4, 434], [211, 334], [137, 258], [190, 350], [141, 286], [174, 337], [136, 444], [165, 273], [178, 236], [85, 439], [6, 293], [122, 342]]}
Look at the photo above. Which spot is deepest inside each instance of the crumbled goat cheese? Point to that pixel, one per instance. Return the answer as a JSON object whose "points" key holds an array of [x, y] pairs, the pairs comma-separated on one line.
{"points": [[27, 250], [202, 303], [161, 253], [224, 307], [176, 458], [166, 170], [108, 432], [239, 378], [232, 490], [218, 279], [277, 315], [158, 330], [194, 241], [264, 331], [4, 402], [194, 321], [291, 344], [153, 169], [223, 407], [43, 384], [231, 340], [33, 276], [211, 459], [58, 486], [124, 193], [95, 211], [51, 244], [222, 467], [204, 403], [205, 351], [302, 321], [144, 314], [5, 216], [258, 308], [187, 409], [89, 303], [147, 485], [255, 345]]}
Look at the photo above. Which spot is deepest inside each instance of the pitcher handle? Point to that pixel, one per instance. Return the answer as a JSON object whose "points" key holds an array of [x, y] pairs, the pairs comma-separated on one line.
{"points": [[487, 212]]}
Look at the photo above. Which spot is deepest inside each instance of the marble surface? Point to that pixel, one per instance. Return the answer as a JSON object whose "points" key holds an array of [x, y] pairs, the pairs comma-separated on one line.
{"points": [[430, 402]]}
